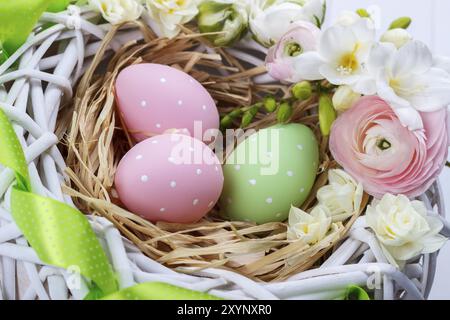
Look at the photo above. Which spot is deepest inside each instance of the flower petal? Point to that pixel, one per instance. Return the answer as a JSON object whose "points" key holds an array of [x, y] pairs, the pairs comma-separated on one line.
{"points": [[307, 66]]}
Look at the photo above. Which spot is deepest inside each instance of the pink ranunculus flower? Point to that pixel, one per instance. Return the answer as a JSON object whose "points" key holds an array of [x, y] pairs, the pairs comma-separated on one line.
{"points": [[372, 145], [302, 37]]}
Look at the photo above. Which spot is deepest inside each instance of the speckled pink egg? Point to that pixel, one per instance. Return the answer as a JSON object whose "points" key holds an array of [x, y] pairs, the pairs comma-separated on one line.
{"points": [[155, 98], [170, 177]]}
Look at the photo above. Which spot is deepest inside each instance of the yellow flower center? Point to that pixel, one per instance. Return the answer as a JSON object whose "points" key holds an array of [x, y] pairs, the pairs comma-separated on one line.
{"points": [[348, 62]]}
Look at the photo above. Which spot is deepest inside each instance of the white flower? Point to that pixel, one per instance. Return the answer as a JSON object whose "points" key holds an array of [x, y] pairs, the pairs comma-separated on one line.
{"points": [[403, 227], [311, 228], [342, 56], [269, 20], [347, 18], [344, 97], [398, 37], [118, 11], [170, 14], [407, 79], [342, 196], [228, 18]]}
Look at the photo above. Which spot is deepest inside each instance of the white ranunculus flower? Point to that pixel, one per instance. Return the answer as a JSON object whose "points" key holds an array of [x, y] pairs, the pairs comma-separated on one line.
{"points": [[342, 196], [342, 57], [403, 227], [398, 37], [227, 18], [408, 80], [269, 20], [118, 11], [344, 97], [170, 14], [310, 227]]}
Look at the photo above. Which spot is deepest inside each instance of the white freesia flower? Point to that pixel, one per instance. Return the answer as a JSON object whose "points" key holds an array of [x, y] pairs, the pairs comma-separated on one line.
{"points": [[170, 14], [347, 18], [342, 196], [269, 20], [342, 56], [310, 227], [407, 79], [398, 37], [344, 97], [118, 11], [403, 227]]}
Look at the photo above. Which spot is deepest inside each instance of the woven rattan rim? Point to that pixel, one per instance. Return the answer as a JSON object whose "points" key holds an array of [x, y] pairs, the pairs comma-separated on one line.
{"points": [[96, 140]]}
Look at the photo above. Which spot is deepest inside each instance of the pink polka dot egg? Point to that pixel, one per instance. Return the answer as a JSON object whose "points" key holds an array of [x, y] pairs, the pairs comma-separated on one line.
{"points": [[155, 99], [170, 177]]}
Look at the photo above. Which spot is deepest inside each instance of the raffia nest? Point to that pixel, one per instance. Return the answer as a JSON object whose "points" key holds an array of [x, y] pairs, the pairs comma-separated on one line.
{"points": [[95, 140]]}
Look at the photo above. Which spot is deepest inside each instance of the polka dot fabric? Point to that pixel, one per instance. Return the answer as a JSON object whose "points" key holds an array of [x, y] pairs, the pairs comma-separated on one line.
{"points": [[154, 98], [11, 153], [63, 237], [171, 177]]}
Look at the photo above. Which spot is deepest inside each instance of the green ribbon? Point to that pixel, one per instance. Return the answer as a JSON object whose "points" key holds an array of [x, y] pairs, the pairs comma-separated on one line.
{"points": [[60, 234], [356, 293], [63, 237], [158, 291], [19, 17]]}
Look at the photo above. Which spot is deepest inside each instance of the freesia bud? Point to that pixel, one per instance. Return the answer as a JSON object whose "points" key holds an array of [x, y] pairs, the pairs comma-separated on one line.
{"points": [[270, 104], [247, 118], [226, 122], [227, 17], [284, 112], [402, 23], [302, 90], [327, 114], [344, 97], [363, 13], [398, 37]]}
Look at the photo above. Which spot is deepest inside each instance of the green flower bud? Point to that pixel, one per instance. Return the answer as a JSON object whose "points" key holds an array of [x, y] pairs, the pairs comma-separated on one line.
{"points": [[270, 104], [247, 118], [235, 113], [284, 112], [226, 122], [255, 108], [228, 19], [302, 90], [327, 114], [402, 23], [363, 13]]}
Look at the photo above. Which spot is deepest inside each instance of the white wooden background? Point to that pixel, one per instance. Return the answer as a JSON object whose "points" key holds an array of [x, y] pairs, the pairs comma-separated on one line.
{"points": [[431, 24]]}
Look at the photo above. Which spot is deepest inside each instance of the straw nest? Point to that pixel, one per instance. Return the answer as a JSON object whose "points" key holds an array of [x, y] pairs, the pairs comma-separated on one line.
{"points": [[95, 140]]}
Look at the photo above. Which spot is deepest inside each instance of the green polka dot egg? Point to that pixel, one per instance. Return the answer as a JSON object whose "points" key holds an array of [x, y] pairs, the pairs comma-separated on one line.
{"points": [[268, 172]]}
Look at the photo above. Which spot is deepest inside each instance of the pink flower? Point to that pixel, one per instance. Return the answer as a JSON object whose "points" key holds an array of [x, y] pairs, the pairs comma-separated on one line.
{"points": [[372, 145], [302, 37]]}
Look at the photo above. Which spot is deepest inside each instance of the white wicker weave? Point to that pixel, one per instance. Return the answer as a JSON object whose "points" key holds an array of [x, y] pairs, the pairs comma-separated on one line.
{"points": [[37, 89]]}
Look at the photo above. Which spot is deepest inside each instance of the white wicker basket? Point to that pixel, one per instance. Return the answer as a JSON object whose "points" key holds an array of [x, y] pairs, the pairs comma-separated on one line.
{"points": [[35, 95]]}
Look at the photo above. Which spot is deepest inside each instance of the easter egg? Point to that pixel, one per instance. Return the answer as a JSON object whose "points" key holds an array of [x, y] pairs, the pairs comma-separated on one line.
{"points": [[268, 172], [170, 177], [155, 99]]}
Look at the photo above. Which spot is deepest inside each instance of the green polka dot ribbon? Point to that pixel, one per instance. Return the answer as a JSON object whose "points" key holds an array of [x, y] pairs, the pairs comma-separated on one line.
{"points": [[63, 237], [158, 291], [60, 234], [18, 18]]}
